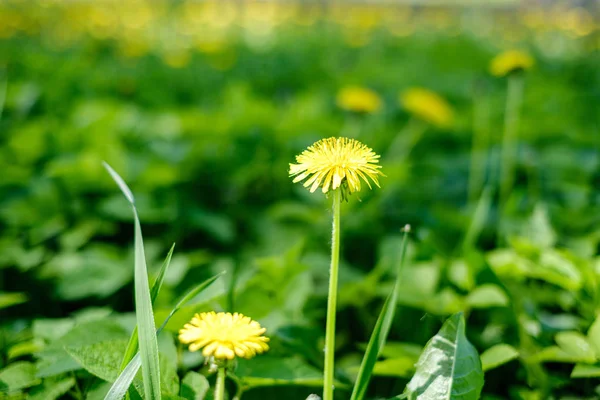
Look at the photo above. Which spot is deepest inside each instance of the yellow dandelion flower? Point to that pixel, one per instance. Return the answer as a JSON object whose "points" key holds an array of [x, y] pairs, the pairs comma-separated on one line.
{"points": [[510, 61], [428, 106], [224, 335], [358, 99], [331, 162]]}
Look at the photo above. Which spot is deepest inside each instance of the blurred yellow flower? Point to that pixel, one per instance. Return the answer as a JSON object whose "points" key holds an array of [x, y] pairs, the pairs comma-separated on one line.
{"points": [[331, 162], [358, 99], [224, 335], [428, 106], [509, 61]]}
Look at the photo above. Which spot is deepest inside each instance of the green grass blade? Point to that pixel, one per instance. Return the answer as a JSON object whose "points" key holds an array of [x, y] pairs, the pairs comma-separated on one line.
{"points": [[143, 304], [381, 330], [190, 295], [480, 215], [123, 382], [119, 388], [132, 346]]}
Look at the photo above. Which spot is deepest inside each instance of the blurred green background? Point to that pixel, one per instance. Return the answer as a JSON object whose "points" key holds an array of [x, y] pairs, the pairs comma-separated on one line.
{"points": [[202, 105]]}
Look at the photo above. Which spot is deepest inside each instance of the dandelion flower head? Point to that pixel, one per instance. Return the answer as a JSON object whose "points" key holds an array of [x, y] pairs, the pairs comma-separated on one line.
{"points": [[224, 335], [428, 106], [331, 162], [358, 99], [510, 61]]}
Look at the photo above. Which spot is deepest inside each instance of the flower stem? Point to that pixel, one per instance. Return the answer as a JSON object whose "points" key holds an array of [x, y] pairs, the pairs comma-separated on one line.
{"points": [[508, 154], [479, 149], [220, 386], [332, 298]]}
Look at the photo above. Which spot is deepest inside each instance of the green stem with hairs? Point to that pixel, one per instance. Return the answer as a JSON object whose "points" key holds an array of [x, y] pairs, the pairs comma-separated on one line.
{"points": [[220, 386], [332, 298]]}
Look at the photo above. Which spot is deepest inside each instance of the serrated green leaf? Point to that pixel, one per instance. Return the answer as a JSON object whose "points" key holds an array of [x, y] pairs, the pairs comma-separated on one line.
{"points": [[143, 304], [449, 367], [381, 330], [54, 359], [100, 359], [194, 386], [16, 376], [498, 355]]}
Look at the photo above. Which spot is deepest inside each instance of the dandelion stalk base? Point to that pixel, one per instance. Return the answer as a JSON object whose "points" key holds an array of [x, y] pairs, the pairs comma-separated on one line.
{"points": [[220, 385], [332, 299]]}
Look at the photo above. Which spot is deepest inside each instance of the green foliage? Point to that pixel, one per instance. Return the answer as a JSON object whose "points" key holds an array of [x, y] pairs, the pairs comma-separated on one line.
{"points": [[381, 330], [206, 148], [143, 304], [449, 367]]}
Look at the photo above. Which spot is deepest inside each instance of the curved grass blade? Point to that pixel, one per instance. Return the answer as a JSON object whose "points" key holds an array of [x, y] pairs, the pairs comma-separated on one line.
{"points": [[480, 215], [381, 330], [188, 296], [123, 382], [449, 366], [132, 346], [143, 304]]}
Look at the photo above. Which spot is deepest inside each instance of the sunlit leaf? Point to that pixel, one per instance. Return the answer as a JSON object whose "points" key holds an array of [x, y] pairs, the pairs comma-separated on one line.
{"points": [[498, 355], [449, 367]]}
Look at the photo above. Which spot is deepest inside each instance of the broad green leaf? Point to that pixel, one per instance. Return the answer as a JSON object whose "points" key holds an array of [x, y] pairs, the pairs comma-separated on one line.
{"points": [[268, 370], [123, 382], [100, 359], [586, 371], [400, 349], [143, 304], [52, 389], [400, 367], [486, 296], [18, 375], [553, 354], [132, 346], [54, 359], [52, 329], [593, 336], [449, 367], [498, 355], [575, 344], [381, 330], [460, 274], [11, 299], [194, 386]]}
